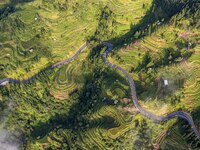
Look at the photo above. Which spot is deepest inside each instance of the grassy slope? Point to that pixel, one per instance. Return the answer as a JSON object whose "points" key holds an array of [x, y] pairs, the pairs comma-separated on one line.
{"points": [[129, 58], [54, 35], [153, 96], [44, 115], [40, 32]]}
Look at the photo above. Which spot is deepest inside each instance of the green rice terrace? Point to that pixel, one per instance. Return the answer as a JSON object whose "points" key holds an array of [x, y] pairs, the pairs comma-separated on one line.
{"points": [[82, 103]]}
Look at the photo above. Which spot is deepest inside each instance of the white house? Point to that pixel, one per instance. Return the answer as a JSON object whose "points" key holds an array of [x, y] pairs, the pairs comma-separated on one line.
{"points": [[166, 82], [31, 50]]}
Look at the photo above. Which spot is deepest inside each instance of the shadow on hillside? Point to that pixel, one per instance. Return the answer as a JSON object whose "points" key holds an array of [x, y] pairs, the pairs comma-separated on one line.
{"points": [[58, 121], [11, 7], [186, 130], [89, 101], [75, 119], [160, 10], [196, 116]]}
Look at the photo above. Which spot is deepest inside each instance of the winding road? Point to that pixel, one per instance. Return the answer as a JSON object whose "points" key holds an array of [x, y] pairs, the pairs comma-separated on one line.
{"points": [[146, 113], [10, 80]]}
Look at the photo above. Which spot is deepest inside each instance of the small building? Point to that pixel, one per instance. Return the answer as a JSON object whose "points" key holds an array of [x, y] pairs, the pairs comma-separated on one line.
{"points": [[4, 83], [166, 83], [116, 101], [31, 50]]}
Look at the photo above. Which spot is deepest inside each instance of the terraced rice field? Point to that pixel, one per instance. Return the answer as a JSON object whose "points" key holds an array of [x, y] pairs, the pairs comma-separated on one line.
{"points": [[39, 33], [186, 70], [69, 78], [192, 86], [174, 141]]}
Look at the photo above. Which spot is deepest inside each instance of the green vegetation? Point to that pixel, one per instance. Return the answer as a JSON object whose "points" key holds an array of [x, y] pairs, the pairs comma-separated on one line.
{"points": [[40, 33], [85, 104]]}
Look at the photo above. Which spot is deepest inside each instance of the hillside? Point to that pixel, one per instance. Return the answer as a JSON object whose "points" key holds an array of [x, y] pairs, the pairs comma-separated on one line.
{"points": [[85, 104]]}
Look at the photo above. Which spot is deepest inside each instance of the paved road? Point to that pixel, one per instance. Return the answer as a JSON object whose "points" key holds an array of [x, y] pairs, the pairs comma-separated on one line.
{"points": [[148, 114], [181, 114], [10, 80]]}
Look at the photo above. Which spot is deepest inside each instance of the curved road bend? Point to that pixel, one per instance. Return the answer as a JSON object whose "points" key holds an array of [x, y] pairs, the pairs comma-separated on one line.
{"points": [[181, 114], [146, 113], [10, 80]]}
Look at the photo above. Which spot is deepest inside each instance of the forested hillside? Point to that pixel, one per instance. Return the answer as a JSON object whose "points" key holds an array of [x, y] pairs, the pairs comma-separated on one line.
{"points": [[85, 104]]}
